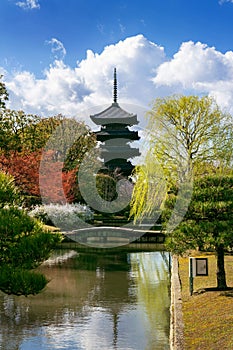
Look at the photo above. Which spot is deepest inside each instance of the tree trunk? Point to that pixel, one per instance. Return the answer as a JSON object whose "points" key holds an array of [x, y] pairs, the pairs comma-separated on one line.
{"points": [[221, 275]]}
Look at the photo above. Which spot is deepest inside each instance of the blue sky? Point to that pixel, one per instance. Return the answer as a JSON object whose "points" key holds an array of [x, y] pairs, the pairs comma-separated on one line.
{"points": [[58, 55]]}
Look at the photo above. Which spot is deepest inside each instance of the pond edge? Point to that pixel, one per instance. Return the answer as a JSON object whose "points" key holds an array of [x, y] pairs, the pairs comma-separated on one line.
{"points": [[176, 315]]}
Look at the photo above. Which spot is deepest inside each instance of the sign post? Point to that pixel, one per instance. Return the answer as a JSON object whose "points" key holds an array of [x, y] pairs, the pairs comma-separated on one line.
{"points": [[197, 267], [191, 274]]}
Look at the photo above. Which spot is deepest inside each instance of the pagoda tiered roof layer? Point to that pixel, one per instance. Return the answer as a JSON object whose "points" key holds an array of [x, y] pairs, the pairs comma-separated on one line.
{"points": [[104, 135], [114, 114]]}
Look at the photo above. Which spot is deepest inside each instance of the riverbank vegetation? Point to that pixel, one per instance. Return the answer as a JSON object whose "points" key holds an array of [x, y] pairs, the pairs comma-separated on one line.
{"points": [[24, 243]]}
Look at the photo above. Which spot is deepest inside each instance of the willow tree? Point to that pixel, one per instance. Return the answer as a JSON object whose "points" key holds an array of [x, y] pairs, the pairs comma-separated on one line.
{"points": [[184, 136], [187, 138]]}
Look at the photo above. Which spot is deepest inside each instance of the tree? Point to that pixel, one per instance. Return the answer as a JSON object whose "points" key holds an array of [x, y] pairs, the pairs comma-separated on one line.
{"points": [[24, 244], [208, 223], [24, 139], [188, 138], [183, 134], [22, 132], [25, 168], [71, 141], [188, 130], [13, 134]]}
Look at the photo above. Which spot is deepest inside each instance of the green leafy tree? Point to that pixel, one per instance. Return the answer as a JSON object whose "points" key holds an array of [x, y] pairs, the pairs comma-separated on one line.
{"points": [[208, 223], [14, 134], [22, 132], [24, 244]]}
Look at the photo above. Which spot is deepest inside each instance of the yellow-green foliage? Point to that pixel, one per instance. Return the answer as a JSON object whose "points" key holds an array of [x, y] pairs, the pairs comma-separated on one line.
{"points": [[9, 193], [183, 133], [149, 191]]}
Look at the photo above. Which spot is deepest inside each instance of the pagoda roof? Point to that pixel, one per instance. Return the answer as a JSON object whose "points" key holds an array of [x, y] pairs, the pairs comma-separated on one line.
{"points": [[126, 134], [114, 114]]}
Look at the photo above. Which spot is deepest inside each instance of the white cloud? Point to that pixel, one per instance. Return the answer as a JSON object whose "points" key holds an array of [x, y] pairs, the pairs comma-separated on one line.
{"points": [[195, 62], [70, 90], [144, 73], [61, 91], [28, 4], [199, 69], [58, 48]]}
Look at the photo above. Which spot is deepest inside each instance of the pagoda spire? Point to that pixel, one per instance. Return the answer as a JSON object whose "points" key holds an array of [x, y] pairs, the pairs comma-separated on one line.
{"points": [[115, 87]]}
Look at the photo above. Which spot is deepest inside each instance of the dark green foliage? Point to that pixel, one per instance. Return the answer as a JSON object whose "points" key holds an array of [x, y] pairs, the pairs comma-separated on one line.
{"points": [[208, 223], [209, 220], [23, 241], [24, 244], [21, 282]]}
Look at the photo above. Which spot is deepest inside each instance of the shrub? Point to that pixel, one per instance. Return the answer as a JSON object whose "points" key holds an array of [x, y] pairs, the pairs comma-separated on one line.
{"points": [[24, 242], [21, 282], [9, 193], [66, 217]]}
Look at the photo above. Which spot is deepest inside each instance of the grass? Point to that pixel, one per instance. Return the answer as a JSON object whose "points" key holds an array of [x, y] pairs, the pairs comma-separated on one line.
{"points": [[208, 316]]}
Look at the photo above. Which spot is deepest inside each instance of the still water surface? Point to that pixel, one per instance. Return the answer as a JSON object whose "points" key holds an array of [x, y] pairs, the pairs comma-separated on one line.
{"points": [[94, 301]]}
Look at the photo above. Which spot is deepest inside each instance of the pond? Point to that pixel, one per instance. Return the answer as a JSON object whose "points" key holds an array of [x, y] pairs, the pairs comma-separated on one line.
{"points": [[103, 300]]}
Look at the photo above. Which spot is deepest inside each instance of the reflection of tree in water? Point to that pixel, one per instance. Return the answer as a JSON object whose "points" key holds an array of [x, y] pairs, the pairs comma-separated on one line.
{"points": [[152, 273], [86, 280], [107, 261], [85, 284]]}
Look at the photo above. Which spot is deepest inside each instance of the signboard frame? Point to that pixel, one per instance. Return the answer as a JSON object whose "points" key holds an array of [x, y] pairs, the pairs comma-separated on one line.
{"points": [[201, 266], [197, 267]]}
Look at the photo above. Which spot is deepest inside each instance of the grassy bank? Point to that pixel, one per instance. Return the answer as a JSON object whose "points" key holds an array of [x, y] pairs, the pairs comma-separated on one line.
{"points": [[208, 316]]}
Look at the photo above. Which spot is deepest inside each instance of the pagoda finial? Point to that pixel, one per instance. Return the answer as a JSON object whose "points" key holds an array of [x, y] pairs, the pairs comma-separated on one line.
{"points": [[115, 87]]}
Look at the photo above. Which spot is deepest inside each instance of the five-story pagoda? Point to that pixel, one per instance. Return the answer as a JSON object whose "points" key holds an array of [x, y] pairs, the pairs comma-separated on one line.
{"points": [[115, 135]]}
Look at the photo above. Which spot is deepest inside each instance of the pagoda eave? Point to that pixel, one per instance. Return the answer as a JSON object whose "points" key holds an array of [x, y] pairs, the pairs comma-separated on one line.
{"points": [[108, 155], [107, 135], [130, 121], [114, 115]]}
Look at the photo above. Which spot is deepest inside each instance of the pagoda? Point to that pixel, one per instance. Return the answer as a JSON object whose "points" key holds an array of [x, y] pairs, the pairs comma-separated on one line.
{"points": [[115, 136]]}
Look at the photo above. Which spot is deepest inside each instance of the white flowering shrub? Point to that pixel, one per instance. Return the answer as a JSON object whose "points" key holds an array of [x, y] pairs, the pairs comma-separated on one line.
{"points": [[64, 216]]}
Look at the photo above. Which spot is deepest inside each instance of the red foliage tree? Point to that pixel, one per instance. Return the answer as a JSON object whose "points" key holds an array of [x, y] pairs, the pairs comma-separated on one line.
{"points": [[58, 185]]}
